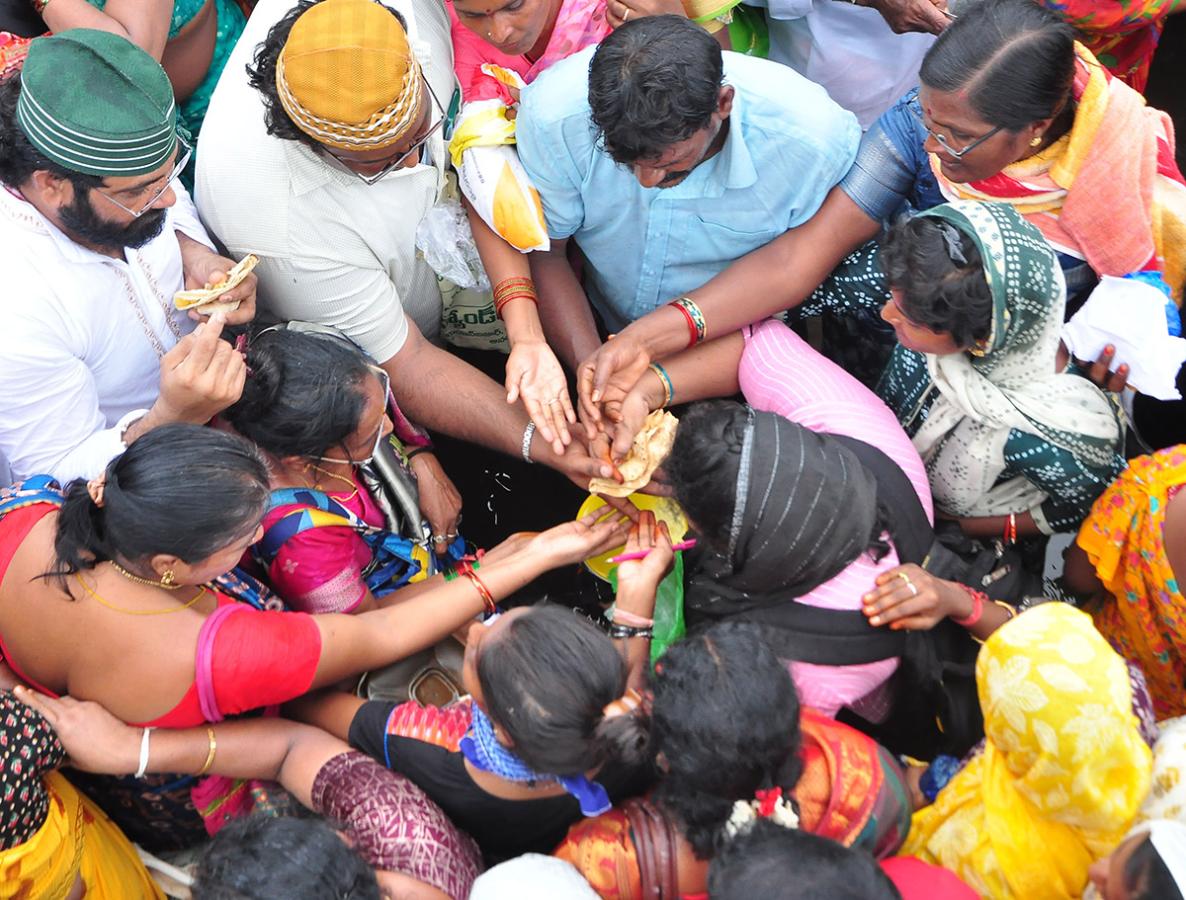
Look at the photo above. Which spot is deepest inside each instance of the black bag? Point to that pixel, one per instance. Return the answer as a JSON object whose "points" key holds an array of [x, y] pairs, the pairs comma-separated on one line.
{"points": [[991, 567]]}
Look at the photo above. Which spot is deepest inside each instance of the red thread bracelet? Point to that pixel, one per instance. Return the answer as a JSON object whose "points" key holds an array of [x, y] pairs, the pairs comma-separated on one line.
{"points": [[978, 600]]}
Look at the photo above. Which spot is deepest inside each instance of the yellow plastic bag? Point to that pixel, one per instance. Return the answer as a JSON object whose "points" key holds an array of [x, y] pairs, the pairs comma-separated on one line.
{"points": [[492, 178]]}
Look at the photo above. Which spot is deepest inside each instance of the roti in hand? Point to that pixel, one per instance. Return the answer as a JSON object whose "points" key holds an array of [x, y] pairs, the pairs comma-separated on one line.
{"points": [[651, 446], [205, 300]]}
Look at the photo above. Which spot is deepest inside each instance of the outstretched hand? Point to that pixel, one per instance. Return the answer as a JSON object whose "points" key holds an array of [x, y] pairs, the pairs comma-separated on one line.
{"points": [[534, 374], [575, 541]]}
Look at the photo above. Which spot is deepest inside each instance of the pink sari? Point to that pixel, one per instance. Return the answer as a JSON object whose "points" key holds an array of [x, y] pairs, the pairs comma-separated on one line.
{"points": [[579, 24]]}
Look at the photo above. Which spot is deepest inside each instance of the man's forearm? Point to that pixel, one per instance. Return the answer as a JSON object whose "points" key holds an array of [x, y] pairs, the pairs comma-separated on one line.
{"points": [[476, 411], [773, 278], [563, 309]]}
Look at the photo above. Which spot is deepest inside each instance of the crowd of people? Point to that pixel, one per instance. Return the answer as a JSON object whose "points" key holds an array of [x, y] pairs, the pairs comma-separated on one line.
{"points": [[897, 614]]}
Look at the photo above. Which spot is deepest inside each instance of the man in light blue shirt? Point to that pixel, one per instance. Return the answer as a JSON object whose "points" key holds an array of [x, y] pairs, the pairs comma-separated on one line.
{"points": [[666, 160]]}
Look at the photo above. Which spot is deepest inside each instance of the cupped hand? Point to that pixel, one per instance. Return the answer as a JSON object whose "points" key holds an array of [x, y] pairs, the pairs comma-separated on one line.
{"points": [[607, 377], [572, 542], [638, 579], [534, 374], [94, 739], [624, 419], [909, 598], [440, 502]]}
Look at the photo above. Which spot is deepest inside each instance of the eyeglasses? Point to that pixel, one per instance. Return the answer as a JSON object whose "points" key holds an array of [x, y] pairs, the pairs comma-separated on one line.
{"points": [[950, 150], [399, 161], [185, 152]]}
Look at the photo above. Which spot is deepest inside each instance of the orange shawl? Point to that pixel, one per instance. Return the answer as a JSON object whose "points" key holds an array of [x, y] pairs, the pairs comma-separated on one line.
{"points": [[1109, 191]]}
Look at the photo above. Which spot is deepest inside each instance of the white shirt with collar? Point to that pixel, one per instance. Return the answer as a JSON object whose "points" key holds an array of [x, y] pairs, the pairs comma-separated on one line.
{"points": [[83, 336], [332, 249]]}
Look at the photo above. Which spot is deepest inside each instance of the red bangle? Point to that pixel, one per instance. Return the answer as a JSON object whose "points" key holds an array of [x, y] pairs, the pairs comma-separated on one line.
{"points": [[520, 295], [978, 600], [694, 334], [483, 591]]}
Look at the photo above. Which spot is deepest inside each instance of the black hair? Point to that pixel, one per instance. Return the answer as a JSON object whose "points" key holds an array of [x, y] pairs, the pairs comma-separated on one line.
{"points": [[1147, 877], [703, 467], [771, 861], [304, 394], [19, 159], [546, 679], [938, 291], [261, 857], [725, 718], [262, 75], [184, 490], [1014, 59], [652, 83]]}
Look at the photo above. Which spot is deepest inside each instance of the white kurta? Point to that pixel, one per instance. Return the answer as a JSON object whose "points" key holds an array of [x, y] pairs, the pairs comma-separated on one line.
{"points": [[82, 338], [847, 49], [332, 249]]}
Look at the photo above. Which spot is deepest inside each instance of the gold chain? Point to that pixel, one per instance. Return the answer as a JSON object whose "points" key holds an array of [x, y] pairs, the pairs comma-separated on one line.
{"points": [[342, 478], [139, 612]]}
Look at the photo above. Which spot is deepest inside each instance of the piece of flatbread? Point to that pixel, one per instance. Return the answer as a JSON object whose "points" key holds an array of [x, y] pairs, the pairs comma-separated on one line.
{"points": [[205, 300], [651, 446]]}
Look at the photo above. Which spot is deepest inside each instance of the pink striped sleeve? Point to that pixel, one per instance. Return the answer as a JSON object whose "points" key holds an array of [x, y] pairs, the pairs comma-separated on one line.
{"points": [[781, 373]]}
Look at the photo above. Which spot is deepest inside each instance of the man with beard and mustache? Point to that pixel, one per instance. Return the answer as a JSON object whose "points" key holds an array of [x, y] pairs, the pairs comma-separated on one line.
{"points": [[665, 161], [97, 238]]}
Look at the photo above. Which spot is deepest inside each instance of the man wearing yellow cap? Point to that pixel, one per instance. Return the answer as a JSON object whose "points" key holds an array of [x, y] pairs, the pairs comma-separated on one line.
{"points": [[98, 237], [322, 150]]}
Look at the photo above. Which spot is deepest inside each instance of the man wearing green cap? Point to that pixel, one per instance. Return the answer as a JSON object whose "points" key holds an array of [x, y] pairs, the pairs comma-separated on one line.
{"points": [[98, 238]]}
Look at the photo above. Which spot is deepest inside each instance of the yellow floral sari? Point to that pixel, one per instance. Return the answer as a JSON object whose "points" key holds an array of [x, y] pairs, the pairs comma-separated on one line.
{"points": [[1063, 771]]}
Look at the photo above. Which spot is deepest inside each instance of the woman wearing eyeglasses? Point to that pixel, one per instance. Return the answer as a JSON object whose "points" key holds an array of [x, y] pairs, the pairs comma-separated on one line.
{"points": [[1010, 109], [320, 409]]}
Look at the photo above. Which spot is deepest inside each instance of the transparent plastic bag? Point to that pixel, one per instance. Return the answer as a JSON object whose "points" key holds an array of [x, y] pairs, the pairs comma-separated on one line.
{"points": [[444, 237]]}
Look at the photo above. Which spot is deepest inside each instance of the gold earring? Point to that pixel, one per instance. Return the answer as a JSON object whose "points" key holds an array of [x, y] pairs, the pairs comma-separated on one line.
{"points": [[1036, 141], [168, 579]]}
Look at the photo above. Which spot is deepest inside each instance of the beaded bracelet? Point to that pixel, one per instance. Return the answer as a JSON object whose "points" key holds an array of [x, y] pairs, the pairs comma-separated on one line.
{"points": [[668, 387]]}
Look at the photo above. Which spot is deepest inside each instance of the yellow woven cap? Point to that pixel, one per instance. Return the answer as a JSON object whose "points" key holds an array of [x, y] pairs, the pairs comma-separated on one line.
{"points": [[347, 76]]}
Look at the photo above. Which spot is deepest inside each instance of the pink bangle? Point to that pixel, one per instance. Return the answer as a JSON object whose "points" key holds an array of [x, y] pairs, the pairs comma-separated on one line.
{"points": [[977, 608]]}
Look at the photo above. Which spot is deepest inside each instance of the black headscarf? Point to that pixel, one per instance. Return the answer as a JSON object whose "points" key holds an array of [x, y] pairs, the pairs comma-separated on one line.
{"points": [[805, 508]]}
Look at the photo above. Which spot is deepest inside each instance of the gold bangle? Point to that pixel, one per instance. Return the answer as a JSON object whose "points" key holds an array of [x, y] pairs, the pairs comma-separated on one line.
{"points": [[1009, 608], [210, 756]]}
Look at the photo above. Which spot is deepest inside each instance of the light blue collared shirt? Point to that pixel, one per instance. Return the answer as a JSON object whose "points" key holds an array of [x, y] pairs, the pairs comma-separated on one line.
{"points": [[788, 144]]}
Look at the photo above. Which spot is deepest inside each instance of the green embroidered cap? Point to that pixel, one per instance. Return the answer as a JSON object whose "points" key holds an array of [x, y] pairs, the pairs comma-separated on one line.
{"points": [[95, 103]]}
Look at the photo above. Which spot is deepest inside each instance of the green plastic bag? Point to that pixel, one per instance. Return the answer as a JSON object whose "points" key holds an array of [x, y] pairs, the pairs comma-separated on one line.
{"points": [[749, 33], [669, 608]]}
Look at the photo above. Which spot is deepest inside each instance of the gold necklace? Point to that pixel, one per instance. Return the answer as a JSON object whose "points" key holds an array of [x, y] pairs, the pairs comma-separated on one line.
{"points": [[342, 478], [168, 586], [139, 612]]}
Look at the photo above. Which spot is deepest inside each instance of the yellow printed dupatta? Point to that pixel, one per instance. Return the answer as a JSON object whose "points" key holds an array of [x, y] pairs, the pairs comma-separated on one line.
{"points": [[1063, 771]]}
